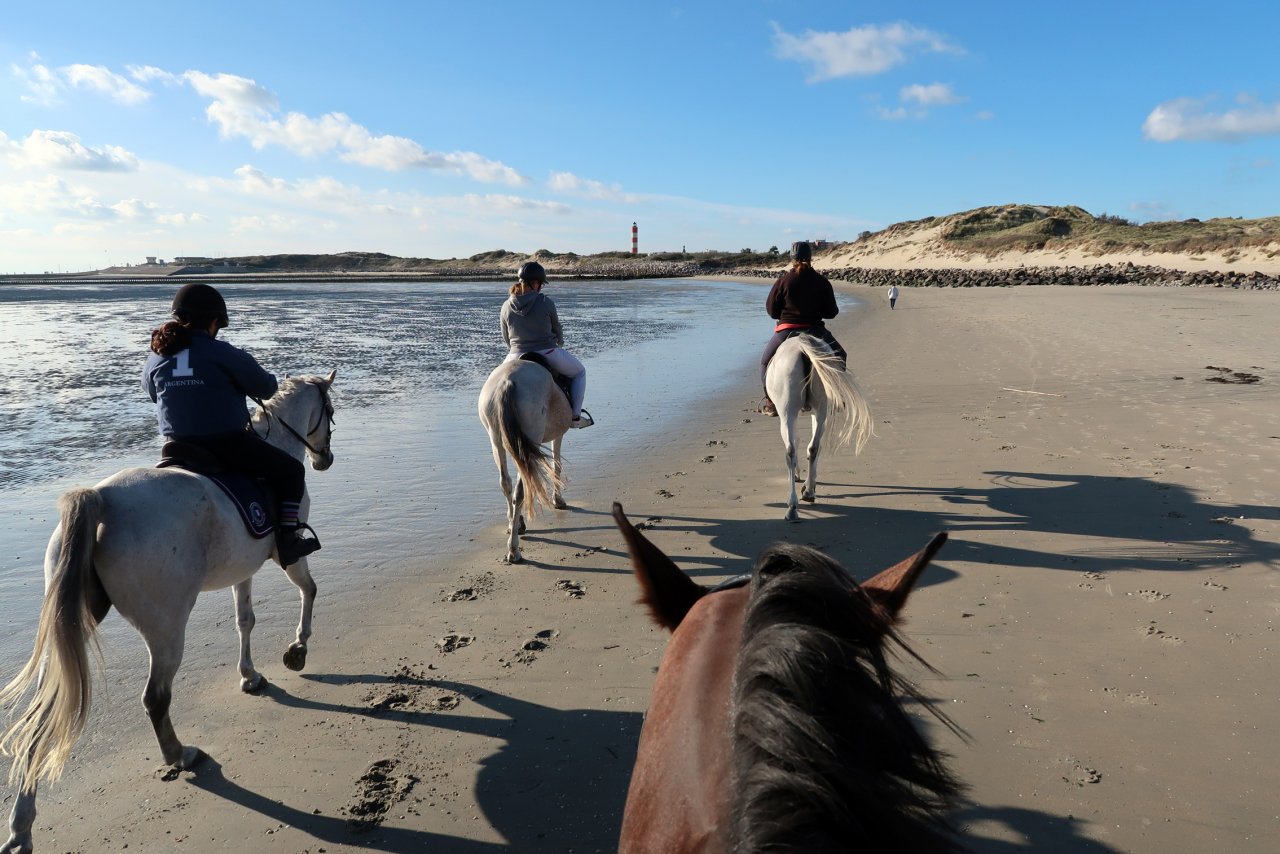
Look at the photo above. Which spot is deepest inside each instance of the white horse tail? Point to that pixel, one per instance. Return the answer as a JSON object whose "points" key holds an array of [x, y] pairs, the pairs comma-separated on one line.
{"points": [[534, 465], [40, 740], [846, 400]]}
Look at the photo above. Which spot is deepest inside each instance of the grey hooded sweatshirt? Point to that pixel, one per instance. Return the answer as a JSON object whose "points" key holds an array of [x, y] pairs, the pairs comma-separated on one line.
{"points": [[529, 322]]}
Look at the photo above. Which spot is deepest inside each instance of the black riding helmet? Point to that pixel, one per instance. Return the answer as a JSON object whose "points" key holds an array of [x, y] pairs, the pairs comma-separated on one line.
{"points": [[531, 271], [198, 304]]}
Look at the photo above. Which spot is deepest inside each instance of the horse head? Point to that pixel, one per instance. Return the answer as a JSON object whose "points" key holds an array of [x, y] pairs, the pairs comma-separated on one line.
{"points": [[303, 410]]}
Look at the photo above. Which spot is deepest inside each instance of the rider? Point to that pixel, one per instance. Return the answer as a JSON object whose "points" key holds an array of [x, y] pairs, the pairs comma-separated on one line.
{"points": [[530, 324], [200, 384], [800, 300]]}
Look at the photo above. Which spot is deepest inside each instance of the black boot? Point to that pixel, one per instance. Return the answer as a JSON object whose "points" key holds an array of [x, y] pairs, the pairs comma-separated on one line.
{"points": [[292, 547]]}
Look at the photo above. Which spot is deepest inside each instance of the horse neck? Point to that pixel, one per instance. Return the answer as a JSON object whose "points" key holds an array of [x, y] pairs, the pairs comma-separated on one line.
{"points": [[285, 406], [824, 757]]}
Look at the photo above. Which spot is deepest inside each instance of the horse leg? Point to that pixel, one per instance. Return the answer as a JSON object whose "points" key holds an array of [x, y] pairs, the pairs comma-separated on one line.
{"points": [[558, 498], [166, 657], [815, 445], [295, 657], [515, 522], [251, 680], [21, 818], [789, 442]]}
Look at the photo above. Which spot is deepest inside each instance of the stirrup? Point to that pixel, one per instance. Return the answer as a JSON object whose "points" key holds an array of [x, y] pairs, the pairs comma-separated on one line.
{"points": [[291, 547], [583, 420]]}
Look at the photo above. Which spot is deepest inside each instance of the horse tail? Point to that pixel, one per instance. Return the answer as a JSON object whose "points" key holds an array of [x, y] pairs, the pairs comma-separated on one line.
{"points": [[823, 753], [534, 465], [40, 740], [846, 399]]}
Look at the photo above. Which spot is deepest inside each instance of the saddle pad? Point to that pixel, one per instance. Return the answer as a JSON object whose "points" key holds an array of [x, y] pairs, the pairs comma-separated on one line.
{"points": [[247, 496]]}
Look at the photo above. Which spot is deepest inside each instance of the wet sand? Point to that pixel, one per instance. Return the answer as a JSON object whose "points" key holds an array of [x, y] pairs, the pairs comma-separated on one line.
{"points": [[1103, 619]]}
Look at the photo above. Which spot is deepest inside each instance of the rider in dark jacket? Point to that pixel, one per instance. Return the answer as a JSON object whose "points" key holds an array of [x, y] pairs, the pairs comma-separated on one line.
{"points": [[800, 300], [200, 384]]}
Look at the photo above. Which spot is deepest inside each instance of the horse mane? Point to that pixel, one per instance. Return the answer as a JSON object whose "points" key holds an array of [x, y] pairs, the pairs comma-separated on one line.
{"points": [[824, 756]]}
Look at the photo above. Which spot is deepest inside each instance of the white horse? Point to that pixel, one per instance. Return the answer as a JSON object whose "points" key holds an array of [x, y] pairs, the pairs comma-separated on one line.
{"points": [[805, 374], [148, 541], [522, 408]]}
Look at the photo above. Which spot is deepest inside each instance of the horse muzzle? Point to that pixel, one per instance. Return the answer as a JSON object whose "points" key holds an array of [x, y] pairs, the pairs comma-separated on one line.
{"points": [[321, 462]]}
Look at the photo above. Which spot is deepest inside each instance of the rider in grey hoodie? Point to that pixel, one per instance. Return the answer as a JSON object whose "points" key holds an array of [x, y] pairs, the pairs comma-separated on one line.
{"points": [[530, 324]]}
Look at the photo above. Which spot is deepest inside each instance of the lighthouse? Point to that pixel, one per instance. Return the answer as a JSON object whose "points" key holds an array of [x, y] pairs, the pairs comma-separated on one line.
{"points": [[635, 239]]}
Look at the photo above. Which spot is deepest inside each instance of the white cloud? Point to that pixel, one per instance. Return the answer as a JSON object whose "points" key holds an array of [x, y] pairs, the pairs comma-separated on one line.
{"points": [[931, 95], [107, 82], [147, 73], [499, 203], [1189, 119], [243, 108], [134, 209], [858, 52], [42, 85], [57, 149], [572, 185], [896, 114]]}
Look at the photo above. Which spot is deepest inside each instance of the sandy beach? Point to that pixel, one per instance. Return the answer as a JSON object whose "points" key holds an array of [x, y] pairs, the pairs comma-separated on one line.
{"points": [[1102, 621]]}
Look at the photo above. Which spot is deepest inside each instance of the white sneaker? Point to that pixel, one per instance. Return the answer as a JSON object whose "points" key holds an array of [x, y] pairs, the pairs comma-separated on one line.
{"points": [[585, 420]]}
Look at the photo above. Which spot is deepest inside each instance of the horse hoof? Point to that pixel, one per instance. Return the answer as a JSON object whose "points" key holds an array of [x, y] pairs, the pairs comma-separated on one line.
{"points": [[810, 498], [254, 685], [513, 559], [295, 657], [18, 845], [191, 757], [792, 516], [561, 504]]}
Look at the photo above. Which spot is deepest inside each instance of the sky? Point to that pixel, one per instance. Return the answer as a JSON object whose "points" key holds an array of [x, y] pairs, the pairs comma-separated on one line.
{"points": [[444, 129]]}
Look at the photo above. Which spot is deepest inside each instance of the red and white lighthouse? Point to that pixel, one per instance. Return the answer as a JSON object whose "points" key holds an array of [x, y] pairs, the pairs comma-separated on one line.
{"points": [[635, 239]]}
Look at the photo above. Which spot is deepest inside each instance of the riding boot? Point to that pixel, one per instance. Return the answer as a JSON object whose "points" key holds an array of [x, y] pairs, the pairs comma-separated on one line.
{"points": [[291, 546]]}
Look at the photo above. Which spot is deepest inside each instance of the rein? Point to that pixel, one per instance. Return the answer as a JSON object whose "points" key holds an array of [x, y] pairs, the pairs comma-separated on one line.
{"points": [[328, 415]]}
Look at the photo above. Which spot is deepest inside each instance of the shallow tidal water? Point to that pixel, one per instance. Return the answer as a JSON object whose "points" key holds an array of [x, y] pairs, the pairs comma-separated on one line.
{"points": [[413, 480]]}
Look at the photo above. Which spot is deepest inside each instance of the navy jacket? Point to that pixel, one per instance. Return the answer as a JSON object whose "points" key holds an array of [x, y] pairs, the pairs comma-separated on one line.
{"points": [[201, 390]]}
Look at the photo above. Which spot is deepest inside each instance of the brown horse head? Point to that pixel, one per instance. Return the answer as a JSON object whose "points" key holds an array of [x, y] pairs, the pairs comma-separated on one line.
{"points": [[776, 722]]}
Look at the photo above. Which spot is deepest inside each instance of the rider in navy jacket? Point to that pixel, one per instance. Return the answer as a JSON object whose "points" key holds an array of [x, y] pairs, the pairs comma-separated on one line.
{"points": [[200, 384]]}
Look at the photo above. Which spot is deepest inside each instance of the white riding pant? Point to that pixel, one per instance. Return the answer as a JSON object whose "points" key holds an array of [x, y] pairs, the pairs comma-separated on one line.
{"points": [[565, 363]]}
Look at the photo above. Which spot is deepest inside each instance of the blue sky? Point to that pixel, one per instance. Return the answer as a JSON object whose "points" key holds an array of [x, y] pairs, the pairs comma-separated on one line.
{"points": [[437, 129]]}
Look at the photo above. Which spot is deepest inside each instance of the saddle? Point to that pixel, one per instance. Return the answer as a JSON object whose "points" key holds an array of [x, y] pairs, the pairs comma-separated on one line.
{"points": [[562, 382], [250, 495]]}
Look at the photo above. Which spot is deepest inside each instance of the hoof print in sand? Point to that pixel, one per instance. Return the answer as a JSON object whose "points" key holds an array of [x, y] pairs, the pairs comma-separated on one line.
{"points": [[709, 458], [1213, 585], [1151, 630], [1226, 375], [529, 652], [648, 523], [665, 493], [449, 643], [476, 587], [1081, 775], [572, 589], [377, 790], [1151, 595]]}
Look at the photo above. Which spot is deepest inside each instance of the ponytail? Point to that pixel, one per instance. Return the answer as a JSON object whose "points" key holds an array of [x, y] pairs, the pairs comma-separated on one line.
{"points": [[171, 338]]}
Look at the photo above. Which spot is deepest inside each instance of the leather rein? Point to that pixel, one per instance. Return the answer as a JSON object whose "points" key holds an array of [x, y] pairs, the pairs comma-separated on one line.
{"points": [[328, 416]]}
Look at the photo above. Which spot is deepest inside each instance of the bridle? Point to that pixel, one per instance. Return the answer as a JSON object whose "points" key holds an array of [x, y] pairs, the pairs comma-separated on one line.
{"points": [[326, 417]]}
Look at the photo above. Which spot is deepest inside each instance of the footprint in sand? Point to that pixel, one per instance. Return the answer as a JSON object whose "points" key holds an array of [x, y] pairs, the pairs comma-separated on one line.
{"points": [[377, 790], [1213, 585], [709, 458], [1133, 698], [449, 643], [1151, 595], [648, 523], [1154, 631], [572, 589], [665, 493], [529, 652], [477, 586]]}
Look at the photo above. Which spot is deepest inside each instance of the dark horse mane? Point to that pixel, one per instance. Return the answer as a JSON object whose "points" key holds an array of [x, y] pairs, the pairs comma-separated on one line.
{"points": [[824, 756]]}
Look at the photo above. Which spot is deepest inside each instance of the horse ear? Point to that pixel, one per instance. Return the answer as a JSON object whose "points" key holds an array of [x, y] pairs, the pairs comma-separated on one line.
{"points": [[332, 376], [668, 592], [890, 589]]}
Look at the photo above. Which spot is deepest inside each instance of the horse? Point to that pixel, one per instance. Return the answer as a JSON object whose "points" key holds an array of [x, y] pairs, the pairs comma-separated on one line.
{"points": [[776, 723], [805, 374], [522, 408], [148, 541]]}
